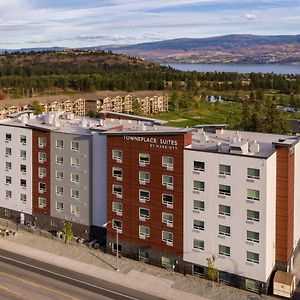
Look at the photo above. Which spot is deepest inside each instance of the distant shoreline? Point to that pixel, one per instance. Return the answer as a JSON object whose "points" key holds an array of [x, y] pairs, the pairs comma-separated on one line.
{"points": [[239, 68]]}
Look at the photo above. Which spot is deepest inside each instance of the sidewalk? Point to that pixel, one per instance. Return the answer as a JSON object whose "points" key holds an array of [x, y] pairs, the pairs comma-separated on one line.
{"points": [[135, 275]]}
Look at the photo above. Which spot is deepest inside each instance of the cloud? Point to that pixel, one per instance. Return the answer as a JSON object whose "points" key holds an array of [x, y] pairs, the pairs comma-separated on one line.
{"points": [[250, 16]]}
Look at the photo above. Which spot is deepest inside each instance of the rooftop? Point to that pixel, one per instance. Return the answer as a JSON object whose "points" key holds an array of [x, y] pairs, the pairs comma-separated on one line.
{"points": [[232, 142]]}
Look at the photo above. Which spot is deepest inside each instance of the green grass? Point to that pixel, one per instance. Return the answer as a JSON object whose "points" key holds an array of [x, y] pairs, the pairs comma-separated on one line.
{"points": [[207, 113]]}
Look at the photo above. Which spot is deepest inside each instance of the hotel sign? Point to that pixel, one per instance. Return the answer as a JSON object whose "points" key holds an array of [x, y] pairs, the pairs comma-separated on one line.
{"points": [[154, 142]]}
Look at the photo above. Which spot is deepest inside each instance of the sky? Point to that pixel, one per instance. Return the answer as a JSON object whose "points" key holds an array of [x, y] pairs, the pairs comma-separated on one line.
{"points": [[78, 23]]}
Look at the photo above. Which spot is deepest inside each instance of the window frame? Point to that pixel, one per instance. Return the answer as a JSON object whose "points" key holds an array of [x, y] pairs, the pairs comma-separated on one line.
{"points": [[199, 169], [167, 240], [224, 213], [143, 162], [224, 172], [223, 191], [224, 253], [224, 232], [249, 176]]}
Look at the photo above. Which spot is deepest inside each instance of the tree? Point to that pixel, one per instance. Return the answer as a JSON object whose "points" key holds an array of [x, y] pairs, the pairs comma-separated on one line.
{"points": [[37, 107], [212, 271], [137, 109], [68, 231]]}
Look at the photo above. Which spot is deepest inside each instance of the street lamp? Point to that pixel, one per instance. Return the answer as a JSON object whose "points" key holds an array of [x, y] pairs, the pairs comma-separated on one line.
{"points": [[117, 230]]}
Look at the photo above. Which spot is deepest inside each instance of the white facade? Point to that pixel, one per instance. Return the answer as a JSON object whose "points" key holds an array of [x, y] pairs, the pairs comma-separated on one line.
{"points": [[99, 205], [239, 183], [16, 168]]}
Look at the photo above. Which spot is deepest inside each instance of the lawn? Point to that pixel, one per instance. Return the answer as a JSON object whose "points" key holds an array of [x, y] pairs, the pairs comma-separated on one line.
{"points": [[207, 113]]}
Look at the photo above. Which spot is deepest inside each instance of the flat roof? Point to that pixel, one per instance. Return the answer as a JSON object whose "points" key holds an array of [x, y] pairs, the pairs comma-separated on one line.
{"points": [[223, 140]]}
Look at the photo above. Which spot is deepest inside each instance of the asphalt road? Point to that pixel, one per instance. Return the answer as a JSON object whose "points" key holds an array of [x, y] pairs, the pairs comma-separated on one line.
{"points": [[23, 278]]}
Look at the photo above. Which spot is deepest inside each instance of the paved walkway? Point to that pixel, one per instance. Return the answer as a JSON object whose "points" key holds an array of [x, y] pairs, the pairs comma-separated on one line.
{"points": [[135, 275]]}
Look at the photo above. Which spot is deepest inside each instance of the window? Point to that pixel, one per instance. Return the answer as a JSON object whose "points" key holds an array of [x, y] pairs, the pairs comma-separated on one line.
{"points": [[23, 183], [168, 162], [199, 186], [252, 194], [167, 200], [224, 169], [224, 250], [42, 157], [224, 190], [224, 277], [7, 213], [224, 210], [253, 236], [7, 179], [59, 175], [59, 159], [23, 139], [7, 151], [42, 202], [23, 197], [42, 187], [117, 207], [144, 196], [75, 209], [117, 225], [117, 173], [144, 255], [144, 231], [8, 165], [167, 181], [198, 270], [252, 215], [166, 261], [8, 137], [224, 230], [74, 177], [74, 162], [59, 144], [74, 194], [23, 169], [23, 154], [59, 206], [198, 205], [42, 142], [117, 190], [198, 244], [144, 213], [59, 190], [167, 237], [167, 218], [199, 166], [117, 155], [253, 257], [42, 172], [75, 146], [8, 194], [144, 177], [252, 285], [144, 159], [253, 173], [198, 225]]}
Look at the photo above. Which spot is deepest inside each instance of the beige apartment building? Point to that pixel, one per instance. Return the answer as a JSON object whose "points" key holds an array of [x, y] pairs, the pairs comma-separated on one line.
{"points": [[150, 102]]}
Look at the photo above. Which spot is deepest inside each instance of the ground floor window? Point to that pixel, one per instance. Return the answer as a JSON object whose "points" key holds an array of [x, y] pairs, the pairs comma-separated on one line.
{"points": [[224, 277], [54, 223], [167, 262], [198, 270], [252, 285], [7, 213], [114, 248], [144, 255]]}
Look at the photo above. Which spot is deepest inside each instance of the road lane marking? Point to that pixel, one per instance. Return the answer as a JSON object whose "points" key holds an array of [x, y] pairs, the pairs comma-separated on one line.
{"points": [[6, 289], [73, 279], [39, 286]]}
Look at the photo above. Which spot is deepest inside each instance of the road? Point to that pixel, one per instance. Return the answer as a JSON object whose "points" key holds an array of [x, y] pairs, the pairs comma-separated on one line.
{"points": [[23, 278], [20, 284]]}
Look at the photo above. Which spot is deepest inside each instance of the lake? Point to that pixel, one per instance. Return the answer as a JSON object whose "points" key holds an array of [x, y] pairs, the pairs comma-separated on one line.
{"points": [[277, 69]]}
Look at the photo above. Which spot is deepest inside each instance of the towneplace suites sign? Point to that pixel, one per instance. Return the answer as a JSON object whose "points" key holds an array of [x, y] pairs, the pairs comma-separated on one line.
{"points": [[154, 142]]}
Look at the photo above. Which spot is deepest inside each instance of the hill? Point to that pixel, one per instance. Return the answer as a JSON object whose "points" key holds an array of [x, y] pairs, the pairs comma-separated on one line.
{"points": [[241, 49]]}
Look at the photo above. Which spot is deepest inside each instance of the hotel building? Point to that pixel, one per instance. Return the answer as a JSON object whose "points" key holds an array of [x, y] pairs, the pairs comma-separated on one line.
{"points": [[176, 196]]}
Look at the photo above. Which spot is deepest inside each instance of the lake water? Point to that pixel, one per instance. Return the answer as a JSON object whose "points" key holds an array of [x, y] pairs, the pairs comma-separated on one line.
{"points": [[277, 69]]}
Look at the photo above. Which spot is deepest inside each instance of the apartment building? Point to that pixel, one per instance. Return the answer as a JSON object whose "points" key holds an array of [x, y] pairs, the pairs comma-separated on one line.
{"points": [[239, 205]]}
